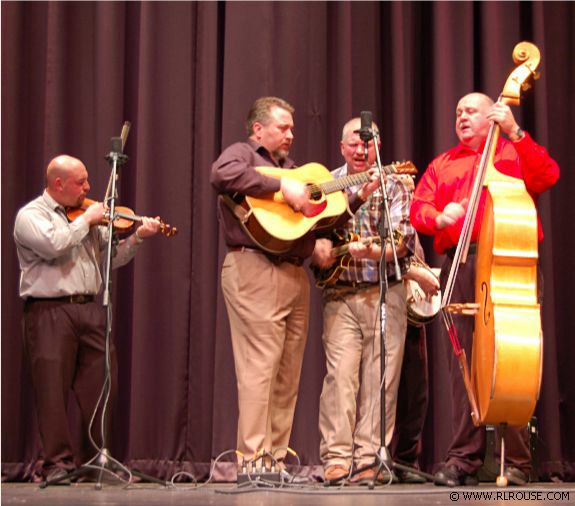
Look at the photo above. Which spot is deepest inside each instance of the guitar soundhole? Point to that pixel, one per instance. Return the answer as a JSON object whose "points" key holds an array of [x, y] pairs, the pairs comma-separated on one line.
{"points": [[315, 193]]}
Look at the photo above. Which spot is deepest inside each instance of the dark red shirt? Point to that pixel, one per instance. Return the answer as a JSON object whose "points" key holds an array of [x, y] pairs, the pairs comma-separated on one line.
{"points": [[449, 178]]}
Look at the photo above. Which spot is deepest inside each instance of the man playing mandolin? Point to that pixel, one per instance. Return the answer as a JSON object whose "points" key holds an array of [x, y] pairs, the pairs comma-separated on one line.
{"points": [[64, 326], [351, 336], [438, 209]]}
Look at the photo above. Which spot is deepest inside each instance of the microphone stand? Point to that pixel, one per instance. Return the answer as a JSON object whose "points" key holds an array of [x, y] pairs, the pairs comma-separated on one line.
{"points": [[383, 457], [103, 460]]}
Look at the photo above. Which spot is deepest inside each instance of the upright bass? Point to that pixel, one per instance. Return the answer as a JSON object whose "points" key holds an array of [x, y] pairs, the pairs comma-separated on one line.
{"points": [[507, 353]]}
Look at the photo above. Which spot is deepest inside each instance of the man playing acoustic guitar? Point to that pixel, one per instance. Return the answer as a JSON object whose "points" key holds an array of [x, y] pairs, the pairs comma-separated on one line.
{"points": [[266, 294]]}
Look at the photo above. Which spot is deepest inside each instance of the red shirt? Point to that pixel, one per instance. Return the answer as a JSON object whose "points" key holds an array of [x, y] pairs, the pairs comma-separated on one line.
{"points": [[449, 178]]}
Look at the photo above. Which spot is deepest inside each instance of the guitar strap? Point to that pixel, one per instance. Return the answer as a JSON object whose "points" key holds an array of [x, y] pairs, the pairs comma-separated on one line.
{"points": [[239, 211]]}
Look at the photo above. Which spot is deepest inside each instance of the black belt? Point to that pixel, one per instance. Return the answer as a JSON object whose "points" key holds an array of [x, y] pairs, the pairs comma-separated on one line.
{"points": [[451, 251], [275, 259], [78, 298], [363, 284]]}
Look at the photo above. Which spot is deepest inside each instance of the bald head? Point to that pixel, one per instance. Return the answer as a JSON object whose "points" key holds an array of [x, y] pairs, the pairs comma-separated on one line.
{"points": [[479, 98], [67, 180], [61, 167], [471, 123]]}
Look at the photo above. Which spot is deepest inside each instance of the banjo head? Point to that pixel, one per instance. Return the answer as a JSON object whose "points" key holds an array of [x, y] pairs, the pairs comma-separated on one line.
{"points": [[420, 309]]}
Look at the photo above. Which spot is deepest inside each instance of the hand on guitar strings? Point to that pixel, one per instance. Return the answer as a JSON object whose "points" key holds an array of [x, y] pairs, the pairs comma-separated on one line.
{"points": [[295, 193], [373, 184]]}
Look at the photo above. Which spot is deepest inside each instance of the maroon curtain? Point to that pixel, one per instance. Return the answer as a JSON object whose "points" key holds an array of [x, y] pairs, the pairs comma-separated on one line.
{"points": [[185, 74]]}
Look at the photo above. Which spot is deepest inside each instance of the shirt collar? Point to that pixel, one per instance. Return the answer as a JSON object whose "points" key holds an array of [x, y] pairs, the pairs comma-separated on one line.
{"points": [[50, 202], [257, 147]]}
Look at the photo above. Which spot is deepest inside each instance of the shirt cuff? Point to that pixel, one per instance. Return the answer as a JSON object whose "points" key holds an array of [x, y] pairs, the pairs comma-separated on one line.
{"points": [[137, 238]]}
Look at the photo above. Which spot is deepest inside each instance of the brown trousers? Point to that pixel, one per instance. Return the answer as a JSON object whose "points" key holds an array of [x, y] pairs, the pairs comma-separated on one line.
{"points": [[268, 310], [65, 344]]}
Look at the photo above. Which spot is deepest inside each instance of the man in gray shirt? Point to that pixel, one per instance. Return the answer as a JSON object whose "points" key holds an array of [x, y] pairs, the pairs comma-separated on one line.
{"points": [[64, 327]]}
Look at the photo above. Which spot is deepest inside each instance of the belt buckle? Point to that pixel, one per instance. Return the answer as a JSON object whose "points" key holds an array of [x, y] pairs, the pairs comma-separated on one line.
{"points": [[79, 298]]}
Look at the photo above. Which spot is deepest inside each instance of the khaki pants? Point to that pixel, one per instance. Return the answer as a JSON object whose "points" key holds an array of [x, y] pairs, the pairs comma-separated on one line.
{"points": [[350, 426], [268, 310]]}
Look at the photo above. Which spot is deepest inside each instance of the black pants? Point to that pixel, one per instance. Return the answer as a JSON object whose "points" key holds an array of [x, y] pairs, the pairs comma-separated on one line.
{"points": [[65, 344], [412, 399]]}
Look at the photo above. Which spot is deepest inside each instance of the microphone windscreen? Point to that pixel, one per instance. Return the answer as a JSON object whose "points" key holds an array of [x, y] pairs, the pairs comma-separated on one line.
{"points": [[365, 120], [116, 144]]}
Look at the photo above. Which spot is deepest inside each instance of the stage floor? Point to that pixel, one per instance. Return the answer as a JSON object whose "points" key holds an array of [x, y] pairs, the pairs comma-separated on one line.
{"points": [[311, 495]]}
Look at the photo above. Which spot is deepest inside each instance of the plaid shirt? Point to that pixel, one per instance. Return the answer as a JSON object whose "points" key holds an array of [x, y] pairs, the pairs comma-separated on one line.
{"points": [[365, 223]]}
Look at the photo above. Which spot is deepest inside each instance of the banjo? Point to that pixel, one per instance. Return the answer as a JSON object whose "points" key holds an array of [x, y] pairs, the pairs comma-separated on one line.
{"points": [[420, 308]]}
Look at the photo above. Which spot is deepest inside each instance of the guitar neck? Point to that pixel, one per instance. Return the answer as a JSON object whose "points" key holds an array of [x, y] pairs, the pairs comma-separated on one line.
{"points": [[344, 182]]}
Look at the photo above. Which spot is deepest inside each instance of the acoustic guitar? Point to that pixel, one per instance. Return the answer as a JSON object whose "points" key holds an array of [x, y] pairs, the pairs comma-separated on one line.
{"points": [[275, 226]]}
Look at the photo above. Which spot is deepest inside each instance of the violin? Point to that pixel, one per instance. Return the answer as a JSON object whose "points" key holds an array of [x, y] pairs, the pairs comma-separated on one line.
{"points": [[124, 221]]}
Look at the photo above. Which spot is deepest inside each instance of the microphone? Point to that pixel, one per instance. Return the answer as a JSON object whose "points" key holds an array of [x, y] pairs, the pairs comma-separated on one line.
{"points": [[116, 143], [365, 132]]}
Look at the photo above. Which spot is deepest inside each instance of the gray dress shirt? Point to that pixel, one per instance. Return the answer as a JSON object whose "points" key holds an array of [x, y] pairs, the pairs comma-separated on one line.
{"points": [[58, 257]]}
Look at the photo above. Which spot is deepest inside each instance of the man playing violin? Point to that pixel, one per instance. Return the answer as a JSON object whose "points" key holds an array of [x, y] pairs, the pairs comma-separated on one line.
{"points": [[351, 336], [438, 209], [64, 326]]}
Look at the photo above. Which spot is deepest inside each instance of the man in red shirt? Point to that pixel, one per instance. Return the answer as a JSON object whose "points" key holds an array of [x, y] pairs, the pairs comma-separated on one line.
{"points": [[438, 209]]}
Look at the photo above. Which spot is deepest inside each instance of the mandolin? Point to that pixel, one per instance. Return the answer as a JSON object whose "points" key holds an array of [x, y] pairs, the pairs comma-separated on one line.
{"points": [[342, 240]]}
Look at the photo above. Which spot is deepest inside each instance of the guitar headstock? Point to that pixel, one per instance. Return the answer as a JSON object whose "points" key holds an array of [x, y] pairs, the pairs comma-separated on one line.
{"points": [[405, 167]]}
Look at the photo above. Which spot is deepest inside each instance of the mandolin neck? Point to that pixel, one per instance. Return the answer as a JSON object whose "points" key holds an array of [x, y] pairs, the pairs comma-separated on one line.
{"points": [[344, 248]]}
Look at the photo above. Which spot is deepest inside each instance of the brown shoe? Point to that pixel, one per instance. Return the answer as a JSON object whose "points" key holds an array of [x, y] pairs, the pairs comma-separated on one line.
{"points": [[335, 472], [367, 477]]}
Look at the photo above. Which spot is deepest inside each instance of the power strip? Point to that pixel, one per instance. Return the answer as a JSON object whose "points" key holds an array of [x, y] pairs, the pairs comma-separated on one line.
{"points": [[256, 476]]}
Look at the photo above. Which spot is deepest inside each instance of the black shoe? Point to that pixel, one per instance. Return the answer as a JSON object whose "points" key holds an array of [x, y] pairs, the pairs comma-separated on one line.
{"points": [[57, 476], [515, 476], [409, 477], [452, 476]]}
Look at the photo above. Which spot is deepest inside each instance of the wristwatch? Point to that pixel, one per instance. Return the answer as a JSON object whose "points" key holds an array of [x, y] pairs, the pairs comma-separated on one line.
{"points": [[517, 135]]}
